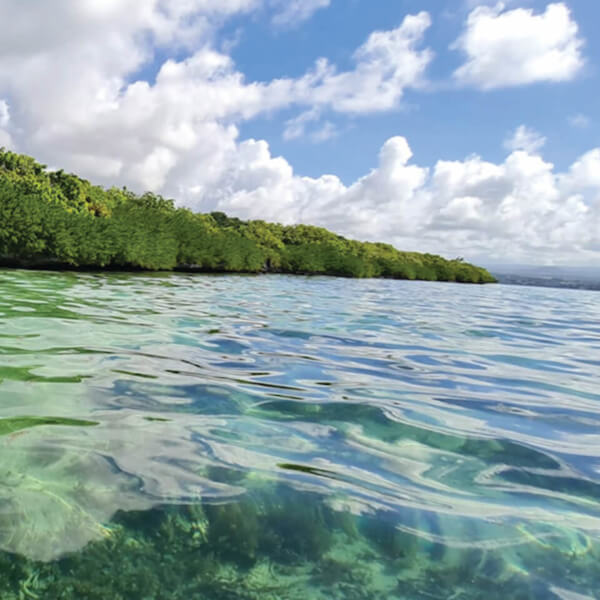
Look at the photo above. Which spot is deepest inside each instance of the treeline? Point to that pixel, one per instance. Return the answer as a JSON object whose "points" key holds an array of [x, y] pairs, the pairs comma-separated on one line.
{"points": [[55, 218]]}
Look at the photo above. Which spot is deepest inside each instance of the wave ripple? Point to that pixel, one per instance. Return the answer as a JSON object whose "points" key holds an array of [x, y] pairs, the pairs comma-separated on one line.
{"points": [[466, 416]]}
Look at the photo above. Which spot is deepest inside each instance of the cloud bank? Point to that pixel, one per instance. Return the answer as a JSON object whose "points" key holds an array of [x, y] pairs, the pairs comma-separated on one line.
{"points": [[74, 93], [521, 208]]}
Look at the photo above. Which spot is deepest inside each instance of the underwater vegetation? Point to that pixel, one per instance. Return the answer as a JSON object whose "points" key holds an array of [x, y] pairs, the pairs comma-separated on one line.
{"points": [[277, 543], [199, 437], [268, 538]]}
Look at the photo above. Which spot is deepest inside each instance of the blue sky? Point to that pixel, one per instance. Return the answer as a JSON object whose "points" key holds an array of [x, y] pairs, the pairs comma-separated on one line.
{"points": [[461, 127], [448, 121]]}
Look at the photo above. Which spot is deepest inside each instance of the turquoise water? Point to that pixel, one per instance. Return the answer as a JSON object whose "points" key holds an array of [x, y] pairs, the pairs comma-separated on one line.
{"points": [[176, 437]]}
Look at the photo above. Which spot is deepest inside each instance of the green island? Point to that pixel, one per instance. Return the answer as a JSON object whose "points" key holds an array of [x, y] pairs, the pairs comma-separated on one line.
{"points": [[52, 219]]}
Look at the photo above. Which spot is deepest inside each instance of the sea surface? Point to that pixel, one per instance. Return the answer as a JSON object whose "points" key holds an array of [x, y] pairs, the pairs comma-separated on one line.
{"points": [[176, 437]]}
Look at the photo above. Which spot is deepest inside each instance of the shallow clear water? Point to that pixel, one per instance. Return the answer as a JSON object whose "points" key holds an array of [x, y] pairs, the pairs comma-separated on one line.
{"points": [[174, 436]]}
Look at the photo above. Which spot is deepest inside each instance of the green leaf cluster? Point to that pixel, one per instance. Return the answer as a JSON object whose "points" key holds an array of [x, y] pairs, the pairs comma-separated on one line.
{"points": [[51, 218]]}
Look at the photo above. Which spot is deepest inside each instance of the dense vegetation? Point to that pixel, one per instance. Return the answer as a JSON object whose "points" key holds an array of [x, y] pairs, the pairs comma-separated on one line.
{"points": [[54, 218]]}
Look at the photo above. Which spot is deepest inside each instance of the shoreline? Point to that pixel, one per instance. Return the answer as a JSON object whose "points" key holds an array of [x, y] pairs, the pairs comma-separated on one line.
{"points": [[53, 266]]}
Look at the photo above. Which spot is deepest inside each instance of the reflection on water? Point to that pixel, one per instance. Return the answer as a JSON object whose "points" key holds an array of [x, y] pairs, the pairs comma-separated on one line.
{"points": [[174, 436]]}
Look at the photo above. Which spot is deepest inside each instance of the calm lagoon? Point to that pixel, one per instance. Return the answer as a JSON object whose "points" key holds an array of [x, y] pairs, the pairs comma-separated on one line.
{"points": [[188, 436]]}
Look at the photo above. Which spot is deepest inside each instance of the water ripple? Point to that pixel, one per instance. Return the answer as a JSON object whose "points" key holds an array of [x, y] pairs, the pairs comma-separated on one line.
{"points": [[469, 415]]}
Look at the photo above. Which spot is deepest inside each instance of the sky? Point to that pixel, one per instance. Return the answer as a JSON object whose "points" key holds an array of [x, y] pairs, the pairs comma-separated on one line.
{"points": [[460, 127]]}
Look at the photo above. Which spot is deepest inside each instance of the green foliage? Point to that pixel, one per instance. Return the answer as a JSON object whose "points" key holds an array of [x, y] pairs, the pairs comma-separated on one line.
{"points": [[54, 218], [234, 530]]}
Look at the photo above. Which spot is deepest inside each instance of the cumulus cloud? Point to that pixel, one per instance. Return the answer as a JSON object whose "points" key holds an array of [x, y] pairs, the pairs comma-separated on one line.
{"points": [[516, 47], [521, 209], [386, 64], [71, 72], [525, 138], [97, 117], [584, 173]]}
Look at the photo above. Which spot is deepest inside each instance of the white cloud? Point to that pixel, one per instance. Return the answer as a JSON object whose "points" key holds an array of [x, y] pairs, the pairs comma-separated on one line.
{"points": [[80, 57], [520, 209], [293, 12], [4, 113], [580, 121], [516, 47], [525, 138], [299, 127], [5, 138], [155, 168], [296, 127], [386, 64], [585, 172], [326, 131], [75, 101]]}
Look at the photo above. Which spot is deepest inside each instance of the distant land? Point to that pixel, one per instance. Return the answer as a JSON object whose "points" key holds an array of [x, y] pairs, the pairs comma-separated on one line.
{"points": [[580, 278], [53, 219]]}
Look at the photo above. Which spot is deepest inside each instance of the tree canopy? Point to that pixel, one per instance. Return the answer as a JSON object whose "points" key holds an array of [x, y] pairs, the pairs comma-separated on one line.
{"points": [[55, 218]]}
